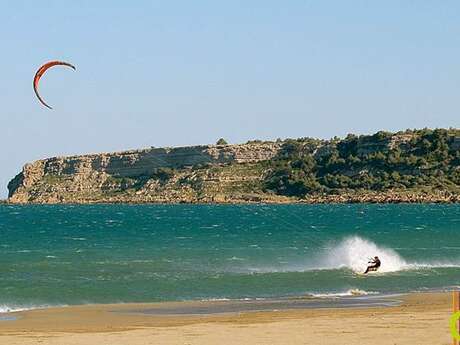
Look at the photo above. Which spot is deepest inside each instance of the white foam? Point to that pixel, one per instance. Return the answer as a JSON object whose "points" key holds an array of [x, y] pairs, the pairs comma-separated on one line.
{"points": [[5, 308], [354, 253], [215, 299], [235, 258], [348, 293]]}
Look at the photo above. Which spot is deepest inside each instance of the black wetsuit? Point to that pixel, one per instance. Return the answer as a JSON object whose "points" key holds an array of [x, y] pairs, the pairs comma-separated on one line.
{"points": [[375, 265]]}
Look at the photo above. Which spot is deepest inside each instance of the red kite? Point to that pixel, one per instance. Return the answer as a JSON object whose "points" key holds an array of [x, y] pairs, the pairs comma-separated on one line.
{"points": [[42, 71]]}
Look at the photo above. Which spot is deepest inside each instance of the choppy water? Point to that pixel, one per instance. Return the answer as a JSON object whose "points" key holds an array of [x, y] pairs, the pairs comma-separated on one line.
{"points": [[60, 255]]}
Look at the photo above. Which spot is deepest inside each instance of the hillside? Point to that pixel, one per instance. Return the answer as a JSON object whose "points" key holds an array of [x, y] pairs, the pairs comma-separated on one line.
{"points": [[410, 166]]}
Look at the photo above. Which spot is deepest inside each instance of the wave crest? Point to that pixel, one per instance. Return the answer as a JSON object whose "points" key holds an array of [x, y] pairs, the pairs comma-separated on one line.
{"points": [[5, 308], [354, 253], [348, 293]]}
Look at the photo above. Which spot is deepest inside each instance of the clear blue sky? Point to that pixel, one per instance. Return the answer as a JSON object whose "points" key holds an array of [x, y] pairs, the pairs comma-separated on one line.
{"points": [[155, 73]]}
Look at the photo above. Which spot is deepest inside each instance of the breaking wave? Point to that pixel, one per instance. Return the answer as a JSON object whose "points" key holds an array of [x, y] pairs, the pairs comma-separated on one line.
{"points": [[348, 293], [354, 253], [5, 308]]}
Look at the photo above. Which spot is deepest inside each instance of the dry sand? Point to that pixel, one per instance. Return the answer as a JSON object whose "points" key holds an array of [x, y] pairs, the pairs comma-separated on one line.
{"points": [[421, 319]]}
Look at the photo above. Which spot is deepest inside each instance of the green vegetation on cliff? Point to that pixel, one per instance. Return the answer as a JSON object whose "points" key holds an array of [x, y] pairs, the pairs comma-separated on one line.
{"points": [[419, 160]]}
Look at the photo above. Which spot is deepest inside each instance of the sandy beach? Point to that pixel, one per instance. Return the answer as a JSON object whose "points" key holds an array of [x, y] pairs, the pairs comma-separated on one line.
{"points": [[419, 319]]}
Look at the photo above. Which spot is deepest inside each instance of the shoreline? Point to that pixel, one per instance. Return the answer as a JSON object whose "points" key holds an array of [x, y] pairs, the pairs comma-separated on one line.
{"points": [[320, 201], [420, 318], [210, 307]]}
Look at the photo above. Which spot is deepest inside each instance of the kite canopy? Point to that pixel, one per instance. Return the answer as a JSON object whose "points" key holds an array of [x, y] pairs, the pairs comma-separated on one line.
{"points": [[42, 71]]}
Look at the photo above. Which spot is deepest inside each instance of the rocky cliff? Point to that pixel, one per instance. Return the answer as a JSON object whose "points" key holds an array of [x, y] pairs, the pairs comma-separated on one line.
{"points": [[411, 166], [184, 174]]}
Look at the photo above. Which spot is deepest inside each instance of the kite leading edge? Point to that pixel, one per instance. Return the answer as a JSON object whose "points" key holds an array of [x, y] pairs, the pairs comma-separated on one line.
{"points": [[42, 71]]}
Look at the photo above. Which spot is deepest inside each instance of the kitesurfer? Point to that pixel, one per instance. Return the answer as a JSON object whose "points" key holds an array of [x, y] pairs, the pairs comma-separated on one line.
{"points": [[374, 265]]}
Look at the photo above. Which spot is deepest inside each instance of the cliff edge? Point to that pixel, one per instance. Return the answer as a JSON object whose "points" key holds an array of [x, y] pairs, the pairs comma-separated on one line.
{"points": [[208, 173], [409, 166]]}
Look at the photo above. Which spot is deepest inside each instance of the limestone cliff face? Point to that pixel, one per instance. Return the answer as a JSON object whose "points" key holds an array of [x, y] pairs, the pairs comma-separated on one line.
{"points": [[141, 162], [410, 166], [136, 176]]}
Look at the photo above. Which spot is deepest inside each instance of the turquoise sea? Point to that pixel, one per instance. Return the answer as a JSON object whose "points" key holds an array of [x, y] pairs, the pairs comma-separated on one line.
{"points": [[65, 255]]}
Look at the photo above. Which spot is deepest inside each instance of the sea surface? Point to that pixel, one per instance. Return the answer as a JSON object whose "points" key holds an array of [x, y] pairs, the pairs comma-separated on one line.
{"points": [[67, 255]]}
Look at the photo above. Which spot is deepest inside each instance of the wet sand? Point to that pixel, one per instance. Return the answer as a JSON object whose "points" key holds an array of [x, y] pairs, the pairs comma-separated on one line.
{"points": [[415, 319]]}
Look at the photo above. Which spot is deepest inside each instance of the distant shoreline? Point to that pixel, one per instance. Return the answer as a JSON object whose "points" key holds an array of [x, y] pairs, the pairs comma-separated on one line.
{"points": [[381, 198]]}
